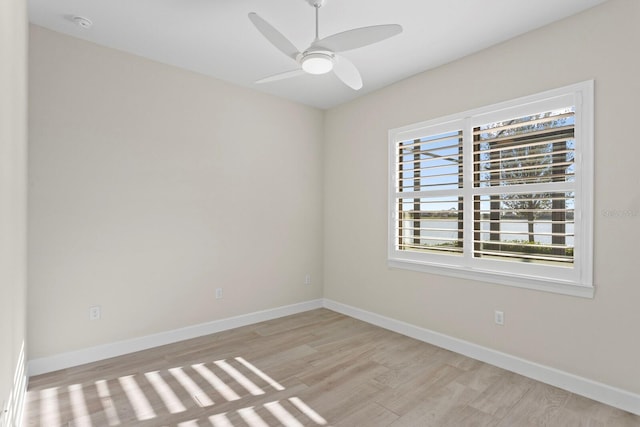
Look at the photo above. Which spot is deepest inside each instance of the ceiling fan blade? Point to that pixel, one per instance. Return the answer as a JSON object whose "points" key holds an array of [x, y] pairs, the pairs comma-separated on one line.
{"points": [[347, 72], [274, 36], [358, 37], [282, 76]]}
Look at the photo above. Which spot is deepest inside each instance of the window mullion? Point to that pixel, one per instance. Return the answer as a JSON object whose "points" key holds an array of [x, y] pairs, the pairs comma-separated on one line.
{"points": [[467, 190]]}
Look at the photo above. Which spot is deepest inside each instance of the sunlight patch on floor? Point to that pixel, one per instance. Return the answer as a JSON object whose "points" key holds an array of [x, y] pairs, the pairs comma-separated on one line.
{"points": [[220, 386], [171, 401], [117, 401], [79, 406], [278, 411], [49, 405], [220, 420], [303, 407], [137, 398], [107, 403], [261, 374], [250, 416], [241, 379], [191, 387]]}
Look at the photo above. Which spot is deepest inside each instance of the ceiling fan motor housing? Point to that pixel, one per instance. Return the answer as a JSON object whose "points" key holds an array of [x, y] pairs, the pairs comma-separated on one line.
{"points": [[316, 61]]}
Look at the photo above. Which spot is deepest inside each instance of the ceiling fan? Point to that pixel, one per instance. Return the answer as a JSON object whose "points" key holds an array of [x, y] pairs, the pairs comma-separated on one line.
{"points": [[321, 57]]}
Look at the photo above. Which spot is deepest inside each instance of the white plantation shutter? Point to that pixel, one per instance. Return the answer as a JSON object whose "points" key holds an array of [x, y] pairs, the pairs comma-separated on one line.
{"points": [[429, 200], [535, 152], [502, 193]]}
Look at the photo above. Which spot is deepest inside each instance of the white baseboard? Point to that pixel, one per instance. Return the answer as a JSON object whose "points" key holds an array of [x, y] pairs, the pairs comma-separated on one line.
{"points": [[106, 351], [600, 392]]}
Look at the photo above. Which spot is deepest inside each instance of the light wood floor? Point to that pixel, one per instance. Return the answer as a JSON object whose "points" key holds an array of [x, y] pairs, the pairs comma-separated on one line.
{"points": [[311, 369]]}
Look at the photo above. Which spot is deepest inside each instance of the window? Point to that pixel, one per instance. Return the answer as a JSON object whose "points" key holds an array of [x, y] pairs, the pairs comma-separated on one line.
{"points": [[500, 194]]}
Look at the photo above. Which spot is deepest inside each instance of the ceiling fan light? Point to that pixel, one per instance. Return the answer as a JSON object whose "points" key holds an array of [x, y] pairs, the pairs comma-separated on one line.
{"points": [[317, 63]]}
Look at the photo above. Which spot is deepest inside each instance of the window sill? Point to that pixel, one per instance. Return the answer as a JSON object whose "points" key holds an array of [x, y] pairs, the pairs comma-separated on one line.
{"points": [[519, 281]]}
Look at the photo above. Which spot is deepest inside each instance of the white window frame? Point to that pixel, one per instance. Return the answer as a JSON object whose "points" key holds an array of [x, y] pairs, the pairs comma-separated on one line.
{"points": [[576, 280]]}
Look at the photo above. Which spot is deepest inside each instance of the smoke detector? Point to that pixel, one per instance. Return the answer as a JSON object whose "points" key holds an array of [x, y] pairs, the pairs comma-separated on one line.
{"points": [[82, 22]]}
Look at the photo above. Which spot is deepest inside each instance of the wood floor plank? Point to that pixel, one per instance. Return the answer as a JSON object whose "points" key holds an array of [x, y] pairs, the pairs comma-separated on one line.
{"points": [[413, 393], [438, 406], [480, 378], [500, 397], [579, 408], [369, 414], [468, 417], [340, 403], [317, 368], [539, 406]]}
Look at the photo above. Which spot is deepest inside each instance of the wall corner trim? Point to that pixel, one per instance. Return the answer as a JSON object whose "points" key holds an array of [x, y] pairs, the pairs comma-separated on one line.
{"points": [[600, 392], [93, 354]]}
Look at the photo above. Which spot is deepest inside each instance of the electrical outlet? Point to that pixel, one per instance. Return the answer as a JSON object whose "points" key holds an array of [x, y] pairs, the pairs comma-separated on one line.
{"points": [[498, 317], [94, 312], [307, 279], [218, 293]]}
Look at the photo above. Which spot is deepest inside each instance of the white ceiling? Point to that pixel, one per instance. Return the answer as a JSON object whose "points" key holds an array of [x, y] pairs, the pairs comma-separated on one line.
{"points": [[216, 38]]}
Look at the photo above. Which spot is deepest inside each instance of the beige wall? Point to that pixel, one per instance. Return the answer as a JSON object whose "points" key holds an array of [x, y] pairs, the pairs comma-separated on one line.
{"points": [[13, 144], [597, 338], [151, 186]]}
